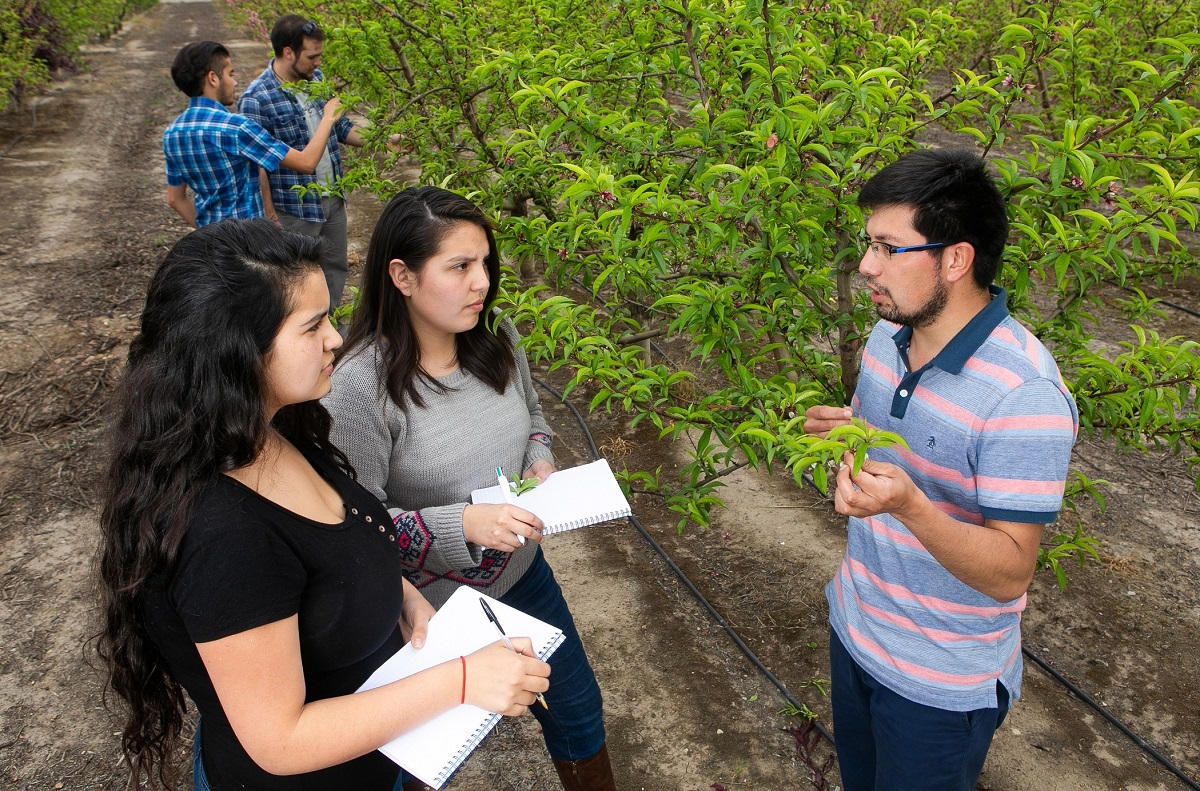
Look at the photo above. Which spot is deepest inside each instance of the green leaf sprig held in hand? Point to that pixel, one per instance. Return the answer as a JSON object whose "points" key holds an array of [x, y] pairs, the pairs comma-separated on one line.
{"points": [[521, 485], [856, 437]]}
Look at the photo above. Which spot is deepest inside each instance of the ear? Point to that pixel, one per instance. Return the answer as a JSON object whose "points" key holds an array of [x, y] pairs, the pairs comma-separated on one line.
{"points": [[403, 278], [289, 54], [958, 261]]}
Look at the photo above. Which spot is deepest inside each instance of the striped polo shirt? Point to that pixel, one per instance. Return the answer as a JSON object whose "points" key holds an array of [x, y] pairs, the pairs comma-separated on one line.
{"points": [[990, 427]]}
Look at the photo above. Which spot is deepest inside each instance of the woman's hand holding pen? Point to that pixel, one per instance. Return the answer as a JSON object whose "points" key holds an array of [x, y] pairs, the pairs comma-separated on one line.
{"points": [[497, 526], [505, 682]]}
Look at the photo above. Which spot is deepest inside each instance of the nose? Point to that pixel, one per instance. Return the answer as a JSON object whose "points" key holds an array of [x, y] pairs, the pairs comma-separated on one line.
{"points": [[868, 265], [333, 338]]}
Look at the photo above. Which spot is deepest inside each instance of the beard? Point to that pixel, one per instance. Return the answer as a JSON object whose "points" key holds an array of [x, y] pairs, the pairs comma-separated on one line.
{"points": [[919, 317]]}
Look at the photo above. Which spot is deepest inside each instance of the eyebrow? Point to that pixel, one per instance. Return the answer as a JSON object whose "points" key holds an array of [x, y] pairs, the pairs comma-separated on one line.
{"points": [[316, 317], [883, 237]]}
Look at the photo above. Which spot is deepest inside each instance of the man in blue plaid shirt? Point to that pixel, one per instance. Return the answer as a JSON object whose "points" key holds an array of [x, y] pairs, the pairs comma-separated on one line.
{"points": [[218, 154], [291, 115]]}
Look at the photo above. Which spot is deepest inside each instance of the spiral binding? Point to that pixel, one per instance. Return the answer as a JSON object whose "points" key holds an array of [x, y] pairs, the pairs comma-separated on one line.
{"points": [[595, 519], [486, 726]]}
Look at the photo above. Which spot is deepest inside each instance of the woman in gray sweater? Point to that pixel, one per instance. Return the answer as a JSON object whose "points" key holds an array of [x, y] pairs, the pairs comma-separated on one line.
{"points": [[428, 398]]}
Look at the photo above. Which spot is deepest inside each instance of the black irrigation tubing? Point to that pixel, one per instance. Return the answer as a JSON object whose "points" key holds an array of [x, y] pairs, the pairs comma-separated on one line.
{"points": [[1180, 308], [1138, 740], [662, 553]]}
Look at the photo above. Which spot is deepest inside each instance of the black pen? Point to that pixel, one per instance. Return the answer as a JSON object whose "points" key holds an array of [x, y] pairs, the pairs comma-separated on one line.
{"points": [[507, 643]]}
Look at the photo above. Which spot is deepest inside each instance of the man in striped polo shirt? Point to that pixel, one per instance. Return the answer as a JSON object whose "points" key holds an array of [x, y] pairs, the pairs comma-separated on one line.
{"points": [[943, 536]]}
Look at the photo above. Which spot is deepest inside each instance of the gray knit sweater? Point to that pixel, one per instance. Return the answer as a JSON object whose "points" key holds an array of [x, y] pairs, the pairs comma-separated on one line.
{"points": [[424, 462]]}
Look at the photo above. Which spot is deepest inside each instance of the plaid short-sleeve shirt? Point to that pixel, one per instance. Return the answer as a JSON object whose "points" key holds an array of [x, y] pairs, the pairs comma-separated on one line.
{"points": [[280, 112], [218, 154], [990, 426]]}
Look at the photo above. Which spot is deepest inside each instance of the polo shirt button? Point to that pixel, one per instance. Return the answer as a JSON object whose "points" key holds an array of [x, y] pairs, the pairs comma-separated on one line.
{"points": [[391, 538], [354, 511], [903, 394], [368, 519], [381, 528]]}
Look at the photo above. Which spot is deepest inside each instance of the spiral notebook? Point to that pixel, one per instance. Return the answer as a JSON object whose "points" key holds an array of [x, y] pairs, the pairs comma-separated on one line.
{"points": [[576, 497], [435, 750]]}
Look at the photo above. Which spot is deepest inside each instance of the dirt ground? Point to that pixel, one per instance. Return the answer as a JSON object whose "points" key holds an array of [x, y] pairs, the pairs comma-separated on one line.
{"points": [[686, 710]]}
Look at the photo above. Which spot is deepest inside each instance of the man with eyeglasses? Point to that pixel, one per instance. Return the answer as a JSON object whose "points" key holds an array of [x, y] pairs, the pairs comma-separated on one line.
{"points": [[219, 154], [291, 115], [925, 644]]}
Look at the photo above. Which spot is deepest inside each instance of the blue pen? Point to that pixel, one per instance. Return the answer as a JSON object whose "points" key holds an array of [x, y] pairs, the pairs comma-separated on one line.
{"points": [[508, 499]]}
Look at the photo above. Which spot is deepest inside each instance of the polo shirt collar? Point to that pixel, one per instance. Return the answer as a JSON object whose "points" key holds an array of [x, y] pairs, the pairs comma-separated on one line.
{"points": [[954, 356]]}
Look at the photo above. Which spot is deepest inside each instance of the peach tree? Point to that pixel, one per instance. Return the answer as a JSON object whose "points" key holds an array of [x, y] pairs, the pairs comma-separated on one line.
{"points": [[683, 174]]}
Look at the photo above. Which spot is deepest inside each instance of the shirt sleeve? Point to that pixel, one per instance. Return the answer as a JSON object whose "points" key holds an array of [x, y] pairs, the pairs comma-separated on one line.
{"points": [[1023, 452], [174, 174], [234, 574], [341, 127], [256, 144], [366, 426]]}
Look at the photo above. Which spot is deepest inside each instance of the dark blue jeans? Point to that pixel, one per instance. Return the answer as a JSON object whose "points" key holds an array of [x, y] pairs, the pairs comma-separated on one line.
{"points": [[886, 742], [573, 726]]}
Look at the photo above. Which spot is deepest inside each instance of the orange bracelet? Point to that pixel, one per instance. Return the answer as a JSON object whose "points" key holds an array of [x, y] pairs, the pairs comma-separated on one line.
{"points": [[463, 698]]}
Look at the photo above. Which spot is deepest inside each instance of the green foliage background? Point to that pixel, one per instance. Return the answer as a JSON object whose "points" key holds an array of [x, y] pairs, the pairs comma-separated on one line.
{"points": [[688, 170], [38, 37]]}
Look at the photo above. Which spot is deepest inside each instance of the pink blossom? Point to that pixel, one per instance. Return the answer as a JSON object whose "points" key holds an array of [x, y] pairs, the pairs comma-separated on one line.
{"points": [[772, 141], [607, 197], [1008, 81], [1029, 88], [1076, 182]]}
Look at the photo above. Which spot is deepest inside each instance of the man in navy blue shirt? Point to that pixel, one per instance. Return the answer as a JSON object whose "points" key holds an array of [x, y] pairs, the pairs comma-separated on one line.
{"points": [[218, 153], [291, 114]]}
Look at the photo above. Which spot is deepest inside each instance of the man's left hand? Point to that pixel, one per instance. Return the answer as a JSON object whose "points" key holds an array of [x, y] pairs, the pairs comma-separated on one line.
{"points": [[878, 488]]}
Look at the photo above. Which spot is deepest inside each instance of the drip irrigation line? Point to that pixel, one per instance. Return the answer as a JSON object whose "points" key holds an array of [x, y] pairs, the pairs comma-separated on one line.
{"points": [[687, 583], [1138, 740], [1180, 308], [749, 653]]}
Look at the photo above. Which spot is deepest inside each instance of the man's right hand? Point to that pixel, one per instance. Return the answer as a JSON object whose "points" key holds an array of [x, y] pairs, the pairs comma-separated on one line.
{"points": [[334, 109], [820, 420]]}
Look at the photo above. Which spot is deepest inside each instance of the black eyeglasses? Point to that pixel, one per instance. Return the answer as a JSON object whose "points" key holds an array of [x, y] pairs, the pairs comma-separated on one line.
{"points": [[885, 250], [310, 28]]}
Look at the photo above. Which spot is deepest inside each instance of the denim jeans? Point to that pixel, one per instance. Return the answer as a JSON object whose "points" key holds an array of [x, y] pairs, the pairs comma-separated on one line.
{"points": [[886, 742], [573, 726], [199, 781]]}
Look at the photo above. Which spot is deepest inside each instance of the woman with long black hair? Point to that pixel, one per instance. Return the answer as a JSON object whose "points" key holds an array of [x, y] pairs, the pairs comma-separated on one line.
{"points": [[431, 396], [240, 562]]}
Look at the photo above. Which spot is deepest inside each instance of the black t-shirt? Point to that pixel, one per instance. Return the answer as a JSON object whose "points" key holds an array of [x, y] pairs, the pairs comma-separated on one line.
{"points": [[246, 562]]}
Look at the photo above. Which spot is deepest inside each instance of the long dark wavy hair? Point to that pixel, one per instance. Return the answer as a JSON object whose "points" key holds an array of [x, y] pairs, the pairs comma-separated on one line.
{"points": [[189, 407], [411, 228]]}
